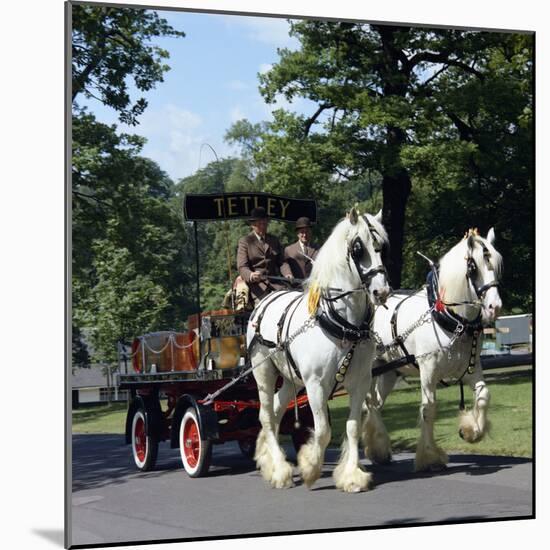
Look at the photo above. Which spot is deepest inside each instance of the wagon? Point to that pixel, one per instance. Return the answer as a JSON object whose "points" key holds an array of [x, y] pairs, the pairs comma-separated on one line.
{"points": [[194, 388]]}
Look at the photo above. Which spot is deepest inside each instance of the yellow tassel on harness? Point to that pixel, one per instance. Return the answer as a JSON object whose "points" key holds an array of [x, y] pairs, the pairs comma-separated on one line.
{"points": [[313, 297]]}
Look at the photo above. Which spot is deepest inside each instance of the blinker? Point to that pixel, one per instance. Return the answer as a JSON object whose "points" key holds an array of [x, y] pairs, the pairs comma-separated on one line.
{"points": [[357, 249]]}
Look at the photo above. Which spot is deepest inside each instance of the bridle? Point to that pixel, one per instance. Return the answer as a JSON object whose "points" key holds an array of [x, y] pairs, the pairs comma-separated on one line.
{"points": [[330, 320], [356, 251], [472, 271]]}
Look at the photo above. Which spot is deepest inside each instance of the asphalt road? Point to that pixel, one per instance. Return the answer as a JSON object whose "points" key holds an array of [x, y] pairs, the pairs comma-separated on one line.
{"points": [[113, 502]]}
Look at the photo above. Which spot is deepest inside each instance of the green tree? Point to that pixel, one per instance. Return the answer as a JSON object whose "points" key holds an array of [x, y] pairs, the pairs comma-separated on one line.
{"points": [[81, 356], [380, 91], [122, 304], [123, 212], [109, 45], [476, 170]]}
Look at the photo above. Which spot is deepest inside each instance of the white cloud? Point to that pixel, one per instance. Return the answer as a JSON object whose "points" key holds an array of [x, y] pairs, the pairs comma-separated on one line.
{"points": [[269, 30], [236, 113], [182, 119], [265, 68], [174, 137]]}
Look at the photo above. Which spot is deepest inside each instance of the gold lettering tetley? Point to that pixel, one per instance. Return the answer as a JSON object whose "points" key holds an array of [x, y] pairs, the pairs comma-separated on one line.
{"points": [[239, 205], [230, 206]]}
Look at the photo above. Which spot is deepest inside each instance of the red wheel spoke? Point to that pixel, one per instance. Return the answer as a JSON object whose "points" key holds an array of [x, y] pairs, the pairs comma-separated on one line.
{"points": [[191, 442]]}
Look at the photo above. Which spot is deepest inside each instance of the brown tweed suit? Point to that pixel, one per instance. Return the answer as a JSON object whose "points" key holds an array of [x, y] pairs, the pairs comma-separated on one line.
{"points": [[300, 265], [266, 257]]}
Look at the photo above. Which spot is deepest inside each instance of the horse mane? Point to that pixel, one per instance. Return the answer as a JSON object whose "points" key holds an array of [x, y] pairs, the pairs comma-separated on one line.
{"points": [[452, 267], [332, 256]]}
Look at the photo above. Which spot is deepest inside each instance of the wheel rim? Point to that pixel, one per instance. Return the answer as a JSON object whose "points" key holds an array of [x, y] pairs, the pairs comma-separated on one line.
{"points": [[191, 443], [140, 439]]}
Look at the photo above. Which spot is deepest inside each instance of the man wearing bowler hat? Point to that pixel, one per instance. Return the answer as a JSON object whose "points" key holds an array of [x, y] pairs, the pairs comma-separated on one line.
{"points": [[260, 255], [301, 255]]}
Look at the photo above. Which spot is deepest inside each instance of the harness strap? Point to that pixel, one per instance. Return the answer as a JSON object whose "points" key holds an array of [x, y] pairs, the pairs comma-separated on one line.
{"points": [[410, 359], [257, 334], [280, 326], [342, 369], [446, 319]]}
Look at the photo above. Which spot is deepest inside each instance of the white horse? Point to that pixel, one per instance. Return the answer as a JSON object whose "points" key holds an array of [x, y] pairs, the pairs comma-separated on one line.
{"points": [[441, 326], [324, 332]]}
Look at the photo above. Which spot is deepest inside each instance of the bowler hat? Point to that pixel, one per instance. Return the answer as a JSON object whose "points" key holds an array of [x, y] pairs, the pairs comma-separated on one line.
{"points": [[258, 213], [303, 222]]}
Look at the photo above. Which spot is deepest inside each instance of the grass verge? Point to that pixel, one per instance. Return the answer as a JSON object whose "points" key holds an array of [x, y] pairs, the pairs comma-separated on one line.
{"points": [[510, 414]]}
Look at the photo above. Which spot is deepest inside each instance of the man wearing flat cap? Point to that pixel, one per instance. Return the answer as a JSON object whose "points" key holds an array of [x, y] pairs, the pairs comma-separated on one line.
{"points": [[301, 255], [260, 255]]}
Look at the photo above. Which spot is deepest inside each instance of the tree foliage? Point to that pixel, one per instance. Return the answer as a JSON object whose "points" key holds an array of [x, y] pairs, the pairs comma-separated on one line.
{"points": [[438, 122], [109, 45], [130, 270], [390, 100], [432, 126]]}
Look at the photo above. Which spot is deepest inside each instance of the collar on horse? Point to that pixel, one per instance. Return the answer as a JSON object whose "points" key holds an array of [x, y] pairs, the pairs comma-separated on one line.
{"points": [[333, 323]]}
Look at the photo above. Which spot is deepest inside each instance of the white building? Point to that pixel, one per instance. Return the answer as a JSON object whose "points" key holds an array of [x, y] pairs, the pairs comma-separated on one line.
{"points": [[91, 385]]}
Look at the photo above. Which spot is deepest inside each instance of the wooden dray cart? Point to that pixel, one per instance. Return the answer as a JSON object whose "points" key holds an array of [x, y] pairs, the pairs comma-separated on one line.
{"points": [[173, 375]]}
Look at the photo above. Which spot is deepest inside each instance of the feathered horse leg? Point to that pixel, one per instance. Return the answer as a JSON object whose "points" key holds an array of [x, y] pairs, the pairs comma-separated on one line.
{"points": [[375, 436], [429, 456], [311, 454], [269, 456], [348, 475], [473, 424]]}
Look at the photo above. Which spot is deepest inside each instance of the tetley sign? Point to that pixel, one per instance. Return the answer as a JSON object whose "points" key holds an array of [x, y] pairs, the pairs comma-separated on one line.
{"points": [[227, 206]]}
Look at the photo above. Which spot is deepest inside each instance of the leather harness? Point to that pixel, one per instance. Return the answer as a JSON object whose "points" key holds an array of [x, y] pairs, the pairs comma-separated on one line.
{"points": [[330, 321], [444, 317]]}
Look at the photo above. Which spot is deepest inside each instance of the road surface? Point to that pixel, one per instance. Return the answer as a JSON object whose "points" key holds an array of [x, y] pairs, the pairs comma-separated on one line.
{"points": [[113, 502]]}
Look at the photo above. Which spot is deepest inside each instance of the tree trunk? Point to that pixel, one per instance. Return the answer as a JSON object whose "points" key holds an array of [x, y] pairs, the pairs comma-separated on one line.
{"points": [[396, 182], [396, 189]]}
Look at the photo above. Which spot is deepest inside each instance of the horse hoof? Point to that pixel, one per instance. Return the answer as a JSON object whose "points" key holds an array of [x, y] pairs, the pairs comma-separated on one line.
{"points": [[461, 433], [283, 485]]}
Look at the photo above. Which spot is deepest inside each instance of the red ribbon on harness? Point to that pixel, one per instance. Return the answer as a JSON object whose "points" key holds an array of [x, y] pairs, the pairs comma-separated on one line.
{"points": [[439, 305]]}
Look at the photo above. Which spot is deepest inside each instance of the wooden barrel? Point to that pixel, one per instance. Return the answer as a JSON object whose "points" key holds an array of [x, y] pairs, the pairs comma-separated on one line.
{"points": [[227, 351], [185, 358], [166, 356]]}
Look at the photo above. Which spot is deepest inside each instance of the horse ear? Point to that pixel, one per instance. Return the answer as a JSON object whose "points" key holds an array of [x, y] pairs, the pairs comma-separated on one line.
{"points": [[378, 216], [353, 216], [491, 235]]}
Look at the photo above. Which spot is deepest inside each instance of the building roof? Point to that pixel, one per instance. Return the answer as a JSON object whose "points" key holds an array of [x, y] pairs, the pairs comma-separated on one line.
{"points": [[92, 377]]}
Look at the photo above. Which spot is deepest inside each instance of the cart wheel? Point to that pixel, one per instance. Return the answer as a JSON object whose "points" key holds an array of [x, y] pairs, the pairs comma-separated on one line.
{"points": [[248, 447], [195, 451], [144, 447]]}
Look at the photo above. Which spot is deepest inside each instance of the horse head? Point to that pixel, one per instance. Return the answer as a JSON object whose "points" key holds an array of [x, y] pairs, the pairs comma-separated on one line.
{"points": [[483, 273], [477, 266], [365, 240]]}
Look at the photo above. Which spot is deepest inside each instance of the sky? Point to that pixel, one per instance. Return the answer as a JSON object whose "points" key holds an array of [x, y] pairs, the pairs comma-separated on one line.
{"points": [[213, 82]]}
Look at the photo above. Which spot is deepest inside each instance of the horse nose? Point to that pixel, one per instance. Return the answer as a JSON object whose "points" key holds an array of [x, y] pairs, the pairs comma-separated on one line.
{"points": [[381, 295]]}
